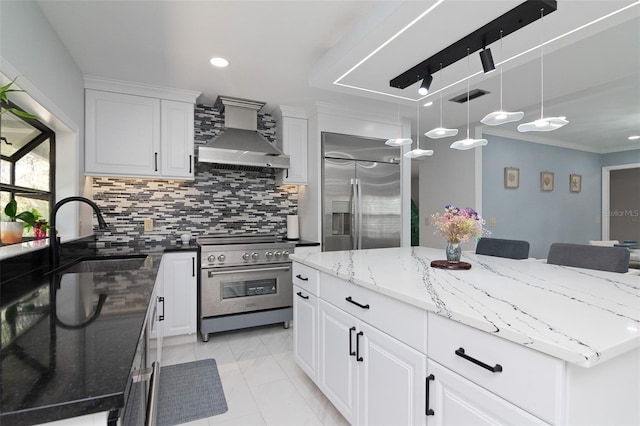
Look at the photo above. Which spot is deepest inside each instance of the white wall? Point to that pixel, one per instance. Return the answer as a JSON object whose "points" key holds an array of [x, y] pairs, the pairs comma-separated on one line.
{"points": [[30, 49], [377, 121]]}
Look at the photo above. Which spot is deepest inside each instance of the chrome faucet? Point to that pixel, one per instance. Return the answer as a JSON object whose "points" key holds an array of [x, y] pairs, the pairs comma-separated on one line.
{"points": [[54, 241]]}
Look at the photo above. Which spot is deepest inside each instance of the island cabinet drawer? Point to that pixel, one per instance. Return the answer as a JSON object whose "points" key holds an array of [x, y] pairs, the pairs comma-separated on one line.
{"points": [[523, 376], [306, 277], [404, 322]]}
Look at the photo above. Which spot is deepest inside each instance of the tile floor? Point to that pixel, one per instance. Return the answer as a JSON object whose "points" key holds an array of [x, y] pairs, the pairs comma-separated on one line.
{"points": [[262, 383]]}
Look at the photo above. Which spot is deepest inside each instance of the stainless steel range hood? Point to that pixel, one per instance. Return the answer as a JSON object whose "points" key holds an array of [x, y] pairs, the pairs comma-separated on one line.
{"points": [[240, 145]]}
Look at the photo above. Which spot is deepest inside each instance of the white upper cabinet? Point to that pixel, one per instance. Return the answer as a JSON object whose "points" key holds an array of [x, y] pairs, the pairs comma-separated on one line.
{"points": [[291, 138], [138, 131]]}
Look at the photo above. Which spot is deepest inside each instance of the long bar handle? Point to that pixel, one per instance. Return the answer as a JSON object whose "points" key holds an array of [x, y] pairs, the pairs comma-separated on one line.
{"points": [[358, 357], [155, 156], [193, 266], [428, 411], [495, 369], [301, 278], [354, 215], [190, 163], [302, 296], [152, 406], [351, 352], [214, 272], [350, 300], [359, 193]]}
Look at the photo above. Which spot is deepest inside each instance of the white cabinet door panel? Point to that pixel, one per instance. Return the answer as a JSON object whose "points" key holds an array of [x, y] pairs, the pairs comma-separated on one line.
{"points": [[305, 331], [390, 380], [180, 294], [177, 139], [122, 134], [456, 401]]}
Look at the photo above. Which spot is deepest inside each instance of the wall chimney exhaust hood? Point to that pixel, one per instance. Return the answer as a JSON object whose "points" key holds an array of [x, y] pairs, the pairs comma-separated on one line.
{"points": [[240, 146]]}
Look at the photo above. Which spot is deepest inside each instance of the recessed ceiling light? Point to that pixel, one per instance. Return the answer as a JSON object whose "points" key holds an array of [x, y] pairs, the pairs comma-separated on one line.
{"points": [[219, 62], [634, 137], [428, 104]]}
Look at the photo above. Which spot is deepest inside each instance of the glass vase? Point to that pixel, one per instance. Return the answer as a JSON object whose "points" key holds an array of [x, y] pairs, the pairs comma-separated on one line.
{"points": [[453, 252]]}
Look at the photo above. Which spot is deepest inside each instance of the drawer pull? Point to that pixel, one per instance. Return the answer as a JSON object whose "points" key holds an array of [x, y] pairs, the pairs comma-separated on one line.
{"points": [[358, 357], [428, 411], [301, 278], [350, 300], [301, 295], [495, 369], [351, 352]]}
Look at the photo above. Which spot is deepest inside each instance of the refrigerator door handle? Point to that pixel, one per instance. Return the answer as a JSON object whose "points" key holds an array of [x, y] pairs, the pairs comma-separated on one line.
{"points": [[354, 214], [359, 203]]}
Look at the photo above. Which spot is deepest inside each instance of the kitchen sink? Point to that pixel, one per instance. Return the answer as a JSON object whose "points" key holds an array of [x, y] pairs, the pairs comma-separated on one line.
{"points": [[106, 265]]}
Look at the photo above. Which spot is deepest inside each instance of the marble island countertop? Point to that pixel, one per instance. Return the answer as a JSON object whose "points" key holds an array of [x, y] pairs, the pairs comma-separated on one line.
{"points": [[578, 315]]}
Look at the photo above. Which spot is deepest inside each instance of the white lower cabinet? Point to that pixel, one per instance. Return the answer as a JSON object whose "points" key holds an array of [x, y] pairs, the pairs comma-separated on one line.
{"points": [[305, 331], [180, 294], [369, 376], [454, 400]]}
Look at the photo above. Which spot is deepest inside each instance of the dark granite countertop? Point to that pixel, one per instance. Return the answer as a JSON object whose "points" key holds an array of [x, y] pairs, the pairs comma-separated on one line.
{"points": [[303, 243], [60, 359]]}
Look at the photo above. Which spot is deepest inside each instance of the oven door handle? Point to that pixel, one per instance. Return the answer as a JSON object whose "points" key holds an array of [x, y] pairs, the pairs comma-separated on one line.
{"points": [[213, 272]]}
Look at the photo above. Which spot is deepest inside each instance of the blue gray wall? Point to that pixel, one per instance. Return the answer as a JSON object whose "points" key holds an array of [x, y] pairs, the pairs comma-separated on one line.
{"points": [[619, 158], [537, 216]]}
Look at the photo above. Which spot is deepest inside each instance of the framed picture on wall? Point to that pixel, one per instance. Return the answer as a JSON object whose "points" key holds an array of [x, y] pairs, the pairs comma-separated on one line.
{"points": [[575, 183], [546, 181], [511, 177]]}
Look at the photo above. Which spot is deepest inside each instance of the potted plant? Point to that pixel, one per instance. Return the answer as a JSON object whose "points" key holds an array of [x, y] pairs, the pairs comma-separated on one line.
{"points": [[40, 225], [11, 230]]}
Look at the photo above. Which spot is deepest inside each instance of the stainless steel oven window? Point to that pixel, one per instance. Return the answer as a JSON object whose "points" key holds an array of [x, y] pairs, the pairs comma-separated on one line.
{"points": [[233, 289]]}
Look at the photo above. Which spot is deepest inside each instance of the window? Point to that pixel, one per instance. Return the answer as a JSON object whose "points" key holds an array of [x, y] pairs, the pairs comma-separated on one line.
{"points": [[27, 164]]}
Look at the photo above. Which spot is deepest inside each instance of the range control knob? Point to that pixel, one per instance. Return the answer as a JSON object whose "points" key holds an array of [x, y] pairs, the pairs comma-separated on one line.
{"points": [[255, 255], [278, 254], [269, 254], [211, 258], [221, 258], [245, 256], [285, 254]]}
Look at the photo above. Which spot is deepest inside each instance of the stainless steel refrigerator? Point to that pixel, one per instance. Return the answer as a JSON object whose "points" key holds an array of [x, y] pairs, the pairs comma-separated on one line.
{"points": [[360, 193]]}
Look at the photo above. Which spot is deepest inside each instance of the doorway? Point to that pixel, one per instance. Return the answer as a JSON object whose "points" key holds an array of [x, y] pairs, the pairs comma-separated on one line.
{"points": [[621, 202]]}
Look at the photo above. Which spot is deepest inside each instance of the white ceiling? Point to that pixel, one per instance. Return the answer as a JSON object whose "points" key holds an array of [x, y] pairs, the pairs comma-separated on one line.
{"points": [[292, 52]]}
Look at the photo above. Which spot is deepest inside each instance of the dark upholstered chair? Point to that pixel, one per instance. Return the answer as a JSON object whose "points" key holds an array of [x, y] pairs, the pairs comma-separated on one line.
{"points": [[612, 259], [512, 249]]}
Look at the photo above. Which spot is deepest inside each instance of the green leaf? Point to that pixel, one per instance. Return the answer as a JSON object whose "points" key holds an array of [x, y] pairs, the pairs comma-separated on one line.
{"points": [[27, 217], [11, 208]]}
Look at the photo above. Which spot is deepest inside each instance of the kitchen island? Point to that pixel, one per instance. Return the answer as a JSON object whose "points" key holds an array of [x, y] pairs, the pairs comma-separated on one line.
{"points": [[556, 341]]}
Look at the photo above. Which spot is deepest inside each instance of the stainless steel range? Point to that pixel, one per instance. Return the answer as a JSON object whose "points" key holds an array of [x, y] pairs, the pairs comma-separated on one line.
{"points": [[245, 281]]}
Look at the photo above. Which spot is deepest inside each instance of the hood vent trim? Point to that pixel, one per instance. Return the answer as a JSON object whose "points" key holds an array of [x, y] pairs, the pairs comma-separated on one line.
{"points": [[240, 145]]}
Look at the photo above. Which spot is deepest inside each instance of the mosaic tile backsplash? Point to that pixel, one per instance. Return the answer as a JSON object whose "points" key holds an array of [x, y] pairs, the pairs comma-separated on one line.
{"points": [[217, 201]]}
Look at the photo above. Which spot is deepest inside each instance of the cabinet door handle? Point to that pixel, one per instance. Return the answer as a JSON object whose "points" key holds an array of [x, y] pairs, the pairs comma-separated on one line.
{"points": [[190, 162], [351, 352], [428, 411], [350, 300], [161, 316], [301, 295], [301, 278], [193, 266], [155, 159], [495, 369], [358, 357]]}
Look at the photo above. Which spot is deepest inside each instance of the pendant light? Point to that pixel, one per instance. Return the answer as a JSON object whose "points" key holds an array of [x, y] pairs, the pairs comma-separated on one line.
{"points": [[501, 117], [418, 153], [543, 124], [398, 141], [468, 143], [441, 132]]}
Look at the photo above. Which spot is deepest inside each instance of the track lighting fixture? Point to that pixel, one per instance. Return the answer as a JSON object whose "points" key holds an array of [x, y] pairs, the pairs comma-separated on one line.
{"points": [[418, 153], [398, 141], [468, 143], [501, 116], [426, 83], [543, 124], [487, 60], [441, 132]]}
